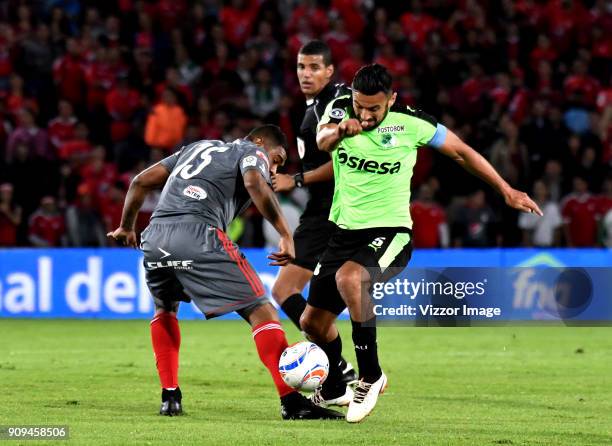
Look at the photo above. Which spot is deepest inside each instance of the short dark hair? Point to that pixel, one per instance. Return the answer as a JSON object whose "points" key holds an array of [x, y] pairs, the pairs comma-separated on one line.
{"points": [[372, 79], [269, 132], [317, 48]]}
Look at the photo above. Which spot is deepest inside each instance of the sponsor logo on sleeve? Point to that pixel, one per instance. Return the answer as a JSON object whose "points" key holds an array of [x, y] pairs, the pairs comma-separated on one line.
{"points": [[337, 113], [249, 161], [195, 192]]}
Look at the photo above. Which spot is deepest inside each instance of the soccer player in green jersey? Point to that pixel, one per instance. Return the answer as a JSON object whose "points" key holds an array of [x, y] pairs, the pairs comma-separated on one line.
{"points": [[374, 144]]}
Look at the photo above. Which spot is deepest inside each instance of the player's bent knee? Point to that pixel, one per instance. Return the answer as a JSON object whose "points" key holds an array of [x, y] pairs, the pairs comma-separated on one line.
{"points": [[312, 327], [280, 292], [353, 286], [348, 281], [291, 280]]}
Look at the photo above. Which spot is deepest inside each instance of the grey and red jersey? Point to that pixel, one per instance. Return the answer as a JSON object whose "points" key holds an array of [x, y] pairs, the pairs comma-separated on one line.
{"points": [[206, 181]]}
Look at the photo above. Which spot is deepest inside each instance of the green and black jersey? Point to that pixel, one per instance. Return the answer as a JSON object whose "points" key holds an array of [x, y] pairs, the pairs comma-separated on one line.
{"points": [[373, 170]]}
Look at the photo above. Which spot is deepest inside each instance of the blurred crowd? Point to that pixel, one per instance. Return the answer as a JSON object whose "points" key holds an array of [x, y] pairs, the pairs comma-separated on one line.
{"points": [[93, 92]]}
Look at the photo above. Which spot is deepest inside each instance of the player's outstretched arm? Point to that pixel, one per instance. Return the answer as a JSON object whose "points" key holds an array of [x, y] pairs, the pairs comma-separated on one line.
{"points": [[476, 164], [267, 203], [149, 179], [329, 135]]}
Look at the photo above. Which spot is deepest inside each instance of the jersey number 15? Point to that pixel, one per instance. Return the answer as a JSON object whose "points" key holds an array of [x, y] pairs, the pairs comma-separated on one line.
{"points": [[192, 166]]}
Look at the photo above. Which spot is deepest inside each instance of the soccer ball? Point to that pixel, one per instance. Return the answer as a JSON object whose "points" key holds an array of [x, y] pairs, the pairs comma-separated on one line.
{"points": [[303, 365]]}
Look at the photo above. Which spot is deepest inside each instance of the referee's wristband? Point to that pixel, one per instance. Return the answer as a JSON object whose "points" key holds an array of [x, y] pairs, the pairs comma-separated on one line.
{"points": [[298, 178]]}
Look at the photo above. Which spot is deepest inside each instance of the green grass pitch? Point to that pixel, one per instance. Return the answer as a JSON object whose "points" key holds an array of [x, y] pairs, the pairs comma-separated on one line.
{"points": [[461, 386]]}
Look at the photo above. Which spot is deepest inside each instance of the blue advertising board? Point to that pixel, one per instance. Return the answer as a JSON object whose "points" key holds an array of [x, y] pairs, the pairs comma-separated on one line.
{"points": [[110, 283]]}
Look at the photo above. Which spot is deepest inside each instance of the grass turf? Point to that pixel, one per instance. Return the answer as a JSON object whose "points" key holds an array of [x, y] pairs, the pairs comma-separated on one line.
{"points": [[461, 386]]}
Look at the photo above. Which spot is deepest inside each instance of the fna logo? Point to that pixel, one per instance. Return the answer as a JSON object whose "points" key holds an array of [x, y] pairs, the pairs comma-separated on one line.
{"points": [[543, 283]]}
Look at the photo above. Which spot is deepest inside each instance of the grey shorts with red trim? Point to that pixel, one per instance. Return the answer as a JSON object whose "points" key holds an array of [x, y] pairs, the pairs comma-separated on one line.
{"points": [[188, 260]]}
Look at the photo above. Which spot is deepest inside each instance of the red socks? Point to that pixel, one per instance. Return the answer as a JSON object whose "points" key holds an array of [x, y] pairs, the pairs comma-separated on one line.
{"points": [[166, 339], [271, 342]]}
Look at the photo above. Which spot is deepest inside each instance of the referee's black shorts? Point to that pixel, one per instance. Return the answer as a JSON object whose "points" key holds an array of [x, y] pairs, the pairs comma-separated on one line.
{"points": [[384, 252], [311, 238]]}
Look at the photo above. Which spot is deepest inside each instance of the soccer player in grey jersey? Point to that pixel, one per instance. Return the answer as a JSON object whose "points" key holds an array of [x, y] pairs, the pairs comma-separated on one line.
{"points": [[188, 256]]}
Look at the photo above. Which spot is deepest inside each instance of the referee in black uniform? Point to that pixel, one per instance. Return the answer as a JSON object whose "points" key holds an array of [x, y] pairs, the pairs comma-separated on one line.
{"points": [[315, 71]]}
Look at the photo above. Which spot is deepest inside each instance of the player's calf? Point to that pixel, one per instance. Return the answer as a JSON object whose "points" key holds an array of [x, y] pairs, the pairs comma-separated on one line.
{"points": [[270, 341], [166, 341]]}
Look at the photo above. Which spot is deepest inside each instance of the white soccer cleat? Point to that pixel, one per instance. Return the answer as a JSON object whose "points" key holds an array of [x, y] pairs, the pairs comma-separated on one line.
{"points": [[366, 396], [343, 400]]}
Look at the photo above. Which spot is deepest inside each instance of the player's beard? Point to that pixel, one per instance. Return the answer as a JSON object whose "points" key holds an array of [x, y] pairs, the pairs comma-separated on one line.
{"points": [[377, 123]]}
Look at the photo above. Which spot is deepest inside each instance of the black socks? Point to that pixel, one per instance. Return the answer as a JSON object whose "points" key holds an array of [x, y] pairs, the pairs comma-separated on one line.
{"points": [[333, 384], [366, 350], [293, 307]]}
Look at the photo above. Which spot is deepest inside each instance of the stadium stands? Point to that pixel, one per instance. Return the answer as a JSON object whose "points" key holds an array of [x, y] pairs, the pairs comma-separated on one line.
{"points": [[90, 92]]}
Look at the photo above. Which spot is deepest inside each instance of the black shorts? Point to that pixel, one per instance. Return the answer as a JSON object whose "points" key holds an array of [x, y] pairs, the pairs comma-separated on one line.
{"points": [[189, 260], [311, 238], [384, 252]]}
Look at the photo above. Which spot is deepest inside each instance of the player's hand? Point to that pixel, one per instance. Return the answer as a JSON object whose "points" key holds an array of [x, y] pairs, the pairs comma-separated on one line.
{"points": [[285, 253], [521, 201], [350, 127], [281, 182], [124, 236]]}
